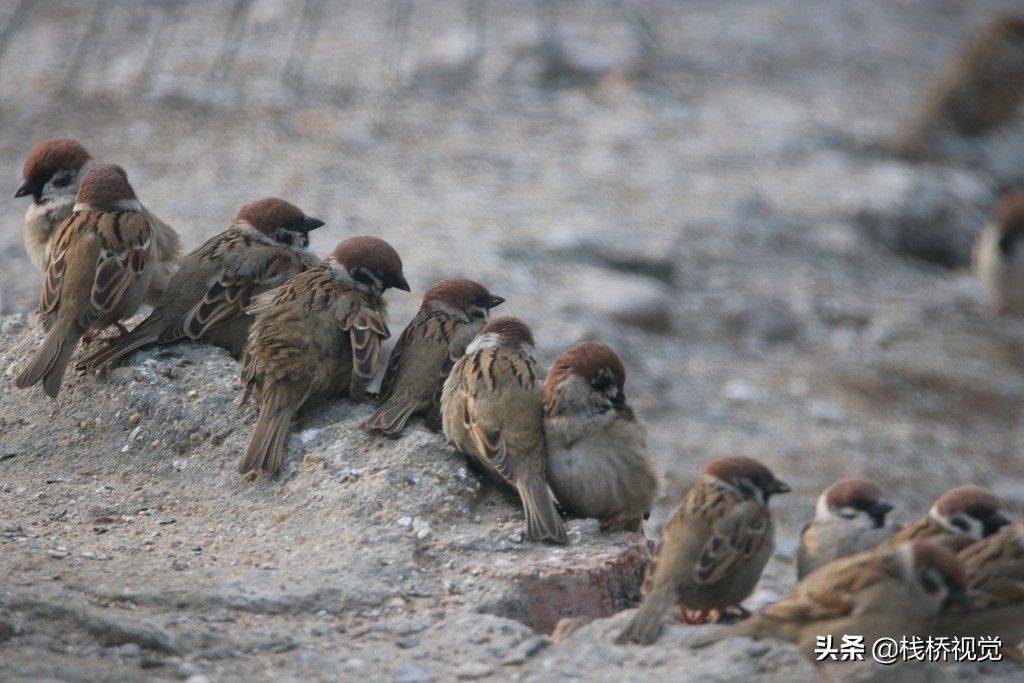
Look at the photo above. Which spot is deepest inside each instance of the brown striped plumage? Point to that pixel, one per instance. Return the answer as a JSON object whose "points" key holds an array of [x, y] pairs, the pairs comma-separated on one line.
{"points": [[98, 272], [958, 518], [267, 244], [52, 175], [995, 587], [453, 312], [492, 410], [713, 547], [318, 334]]}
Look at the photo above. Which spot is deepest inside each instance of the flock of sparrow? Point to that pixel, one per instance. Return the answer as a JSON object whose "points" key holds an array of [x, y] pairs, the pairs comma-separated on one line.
{"points": [[306, 329]]}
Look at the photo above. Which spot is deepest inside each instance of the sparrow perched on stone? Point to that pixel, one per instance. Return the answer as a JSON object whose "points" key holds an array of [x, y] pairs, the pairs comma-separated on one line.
{"points": [[849, 518], [598, 465], [995, 586], [317, 335], [266, 245], [713, 548], [958, 518], [887, 592], [52, 173], [452, 313], [98, 273], [492, 410], [998, 256], [979, 89]]}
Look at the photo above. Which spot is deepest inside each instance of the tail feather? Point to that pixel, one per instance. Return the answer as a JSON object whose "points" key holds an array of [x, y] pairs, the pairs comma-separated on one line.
{"points": [[543, 522], [51, 361], [265, 451], [391, 417], [643, 628], [116, 351]]}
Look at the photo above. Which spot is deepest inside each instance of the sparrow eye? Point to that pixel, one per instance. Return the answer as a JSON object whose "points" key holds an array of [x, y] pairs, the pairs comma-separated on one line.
{"points": [[365, 277], [929, 583], [960, 523], [61, 179]]}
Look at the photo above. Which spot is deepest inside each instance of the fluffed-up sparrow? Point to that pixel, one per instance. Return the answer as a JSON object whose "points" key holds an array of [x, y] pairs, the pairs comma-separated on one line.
{"points": [[317, 335], [998, 256], [849, 518], [452, 313], [266, 245], [995, 586], [598, 464], [98, 273], [713, 548], [51, 176], [888, 592], [492, 410], [958, 518]]}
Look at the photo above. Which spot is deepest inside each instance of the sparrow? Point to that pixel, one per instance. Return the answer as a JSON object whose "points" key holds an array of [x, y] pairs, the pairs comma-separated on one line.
{"points": [[598, 464], [979, 89], [713, 548], [452, 313], [492, 409], [998, 255], [888, 592], [98, 272], [849, 518], [995, 587], [317, 335], [205, 300], [52, 174], [959, 517]]}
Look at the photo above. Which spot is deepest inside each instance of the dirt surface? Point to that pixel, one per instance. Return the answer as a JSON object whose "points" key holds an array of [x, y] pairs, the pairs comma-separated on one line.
{"points": [[701, 185]]}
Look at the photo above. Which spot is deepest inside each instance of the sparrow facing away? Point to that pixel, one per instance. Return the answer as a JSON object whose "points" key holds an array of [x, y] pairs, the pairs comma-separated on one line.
{"points": [[888, 592], [713, 548], [995, 586], [849, 518], [492, 410], [52, 173], [266, 245], [998, 256], [598, 464], [979, 89], [452, 313], [98, 273], [959, 517], [319, 334]]}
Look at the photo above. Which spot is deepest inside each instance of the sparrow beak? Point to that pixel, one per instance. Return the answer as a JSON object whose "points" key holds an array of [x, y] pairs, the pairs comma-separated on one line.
{"points": [[957, 597], [996, 521], [399, 282], [309, 223], [27, 187], [879, 509], [494, 301], [778, 486]]}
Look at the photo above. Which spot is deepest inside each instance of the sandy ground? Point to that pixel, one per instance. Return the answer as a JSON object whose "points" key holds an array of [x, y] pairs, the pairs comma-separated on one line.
{"points": [[716, 161]]}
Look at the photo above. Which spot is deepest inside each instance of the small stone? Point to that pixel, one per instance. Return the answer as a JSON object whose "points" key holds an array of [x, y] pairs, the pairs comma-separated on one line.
{"points": [[405, 521], [413, 673], [129, 650], [179, 465], [407, 643], [134, 419], [59, 553], [824, 411], [471, 671]]}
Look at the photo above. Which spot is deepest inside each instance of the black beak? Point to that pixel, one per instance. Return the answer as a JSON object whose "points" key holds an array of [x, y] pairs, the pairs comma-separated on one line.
{"points": [[27, 187], [958, 597], [996, 521], [495, 300], [399, 282], [778, 486], [879, 509], [309, 223]]}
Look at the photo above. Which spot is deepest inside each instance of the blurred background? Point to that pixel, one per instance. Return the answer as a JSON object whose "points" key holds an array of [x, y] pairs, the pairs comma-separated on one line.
{"points": [[705, 185]]}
